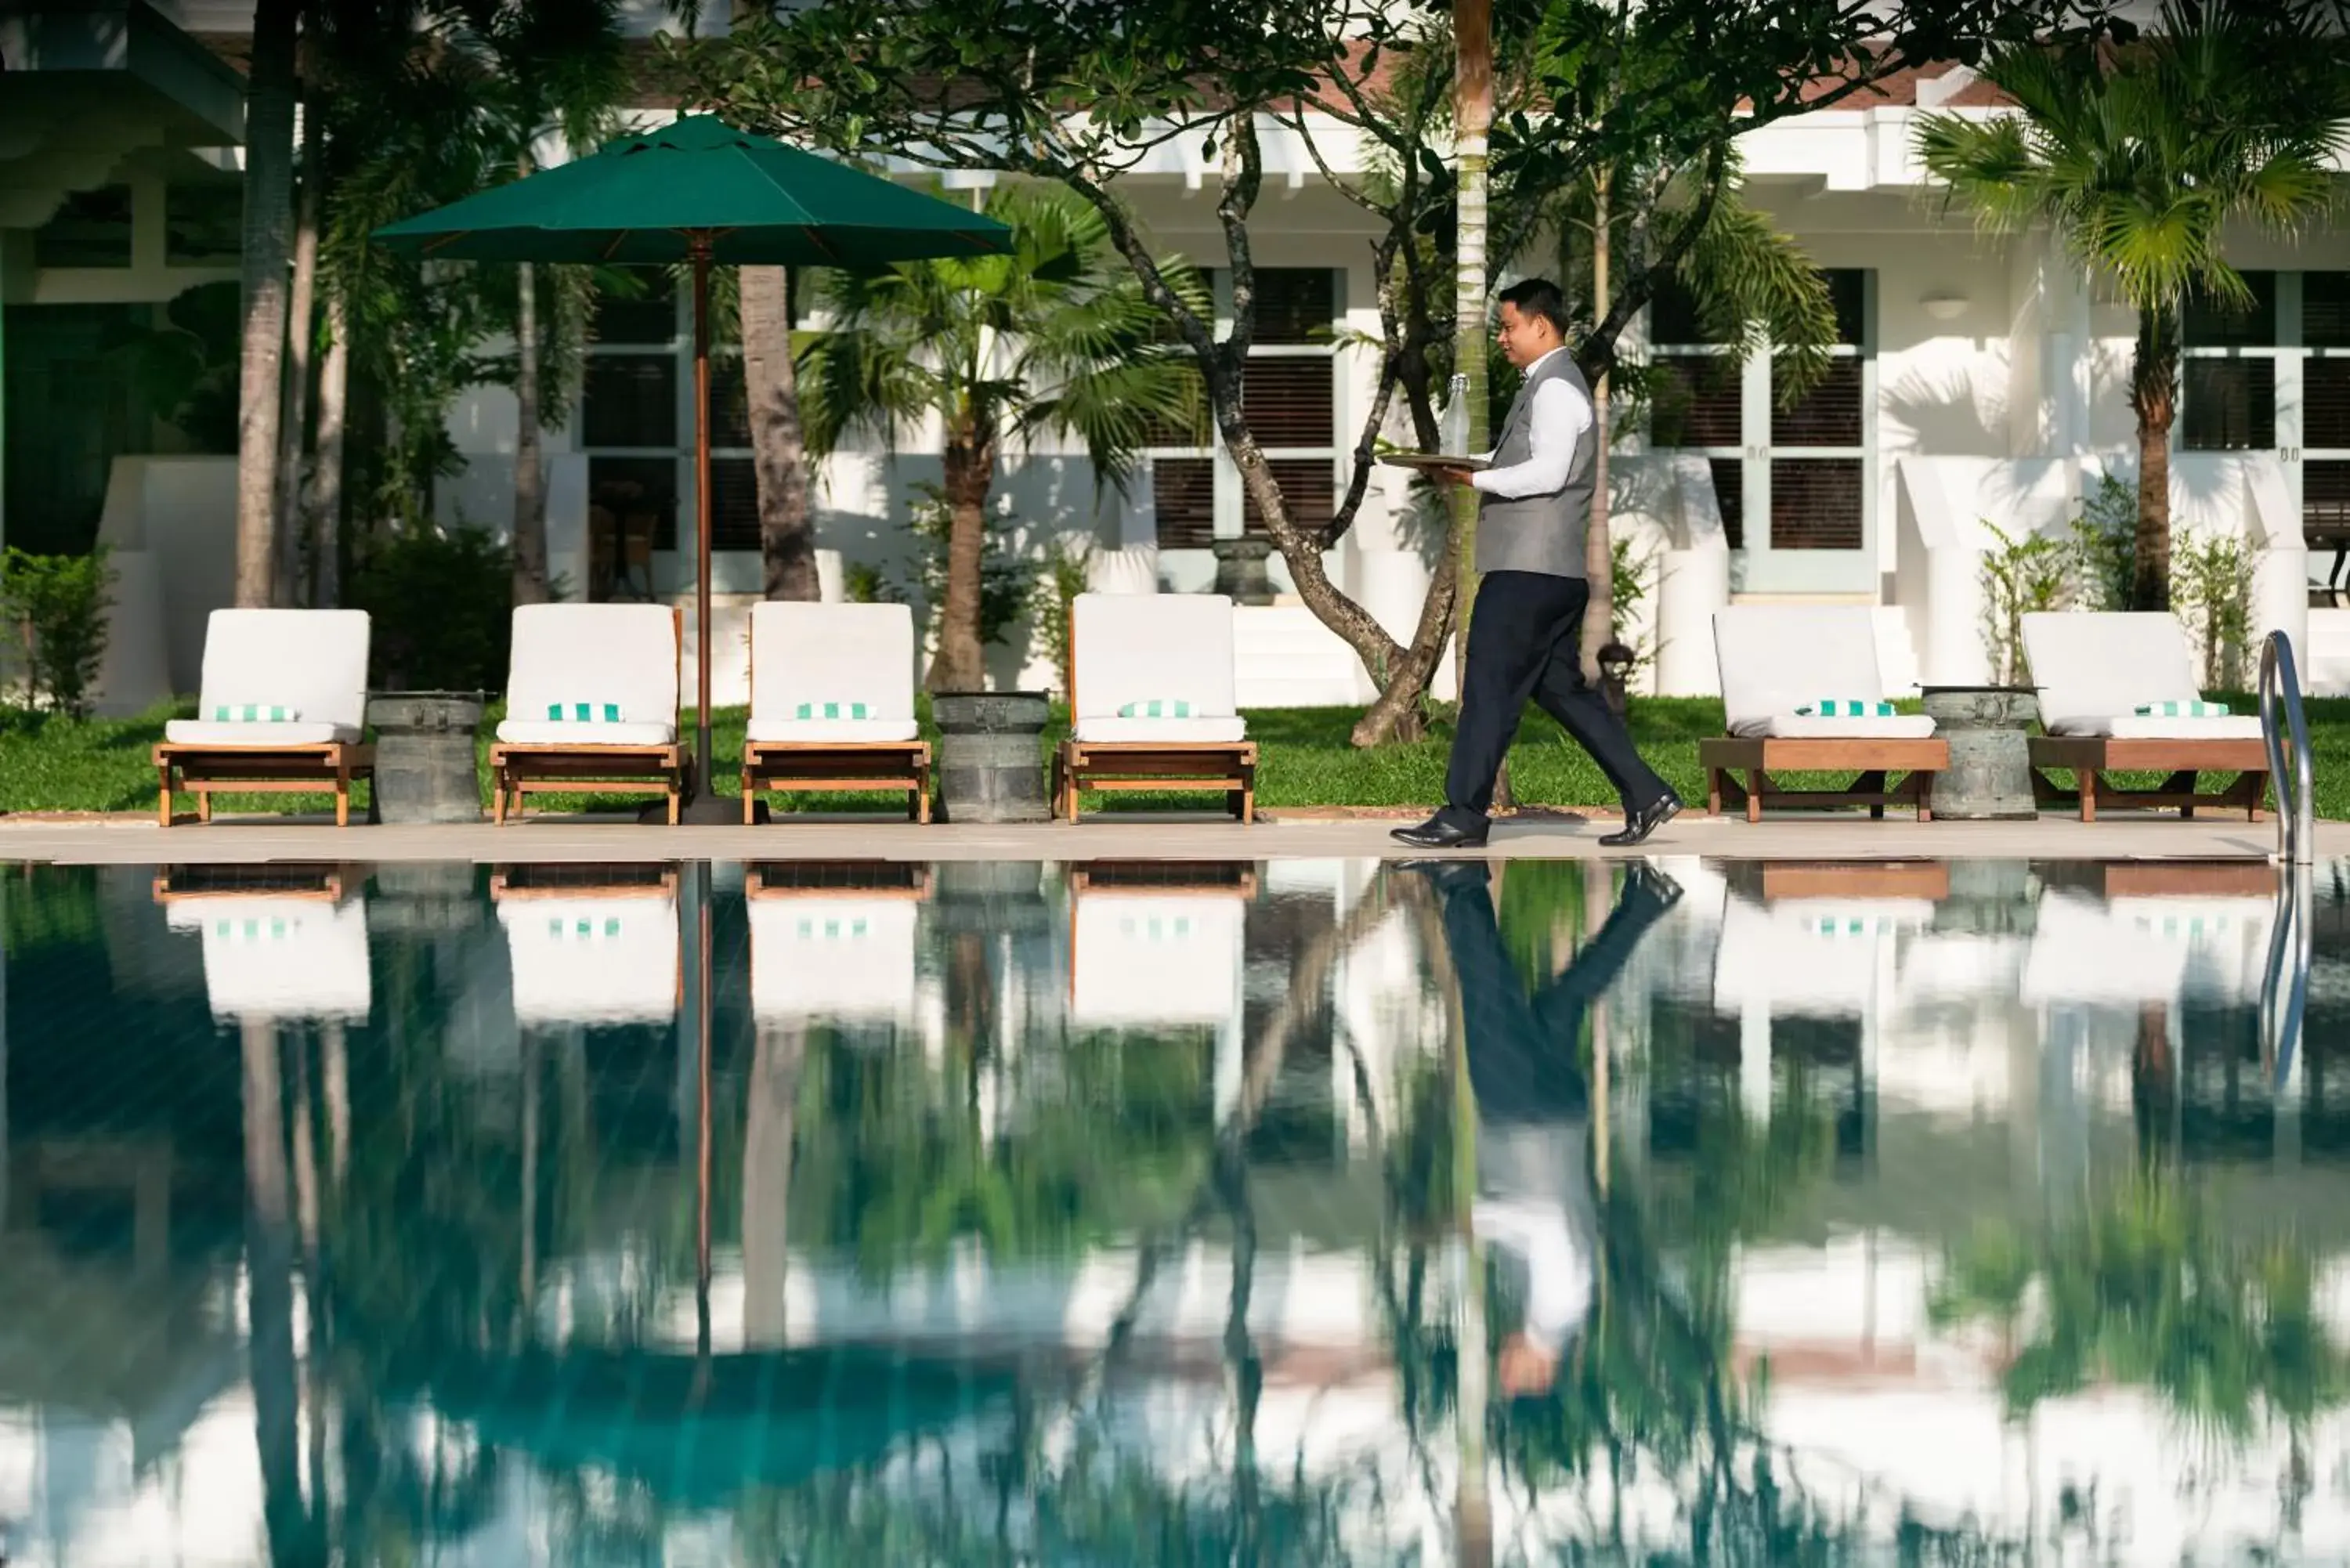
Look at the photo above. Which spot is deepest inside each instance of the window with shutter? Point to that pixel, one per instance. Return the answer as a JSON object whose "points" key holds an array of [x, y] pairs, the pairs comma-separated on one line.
{"points": [[1289, 397]]}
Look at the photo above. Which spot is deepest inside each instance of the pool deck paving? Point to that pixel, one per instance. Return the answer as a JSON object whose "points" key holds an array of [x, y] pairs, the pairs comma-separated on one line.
{"points": [[1126, 836]]}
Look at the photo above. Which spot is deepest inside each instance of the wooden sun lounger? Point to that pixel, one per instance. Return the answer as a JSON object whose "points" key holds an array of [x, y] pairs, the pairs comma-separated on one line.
{"points": [[1738, 771], [1227, 765], [2089, 758], [325, 768], [1080, 765], [517, 770], [838, 766]]}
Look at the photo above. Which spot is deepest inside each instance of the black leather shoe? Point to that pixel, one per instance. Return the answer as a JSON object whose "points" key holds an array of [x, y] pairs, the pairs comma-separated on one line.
{"points": [[1450, 876], [1647, 875], [1640, 823], [1438, 834]]}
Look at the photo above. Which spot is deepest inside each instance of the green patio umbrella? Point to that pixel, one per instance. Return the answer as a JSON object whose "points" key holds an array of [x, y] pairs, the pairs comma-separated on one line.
{"points": [[700, 191]]}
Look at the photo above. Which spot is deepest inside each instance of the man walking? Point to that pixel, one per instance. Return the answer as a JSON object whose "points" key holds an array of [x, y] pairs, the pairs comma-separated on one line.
{"points": [[1524, 637], [1533, 1200]]}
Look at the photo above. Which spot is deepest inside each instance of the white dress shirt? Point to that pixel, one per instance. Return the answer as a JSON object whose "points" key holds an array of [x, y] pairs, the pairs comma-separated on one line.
{"points": [[1555, 422]]}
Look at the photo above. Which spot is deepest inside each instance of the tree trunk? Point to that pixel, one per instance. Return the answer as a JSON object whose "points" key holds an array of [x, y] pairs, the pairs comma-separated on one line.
{"points": [[2154, 395], [970, 461], [300, 333], [268, 202], [1473, 116], [530, 473], [771, 385], [327, 468], [1598, 549]]}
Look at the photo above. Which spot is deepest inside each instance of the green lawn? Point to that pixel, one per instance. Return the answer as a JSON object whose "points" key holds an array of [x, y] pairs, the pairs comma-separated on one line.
{"points": [[47, 764]]}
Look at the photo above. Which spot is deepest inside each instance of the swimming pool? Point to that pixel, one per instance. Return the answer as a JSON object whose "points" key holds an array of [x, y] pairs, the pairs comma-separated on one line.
{"points": [[1133, 1211]]}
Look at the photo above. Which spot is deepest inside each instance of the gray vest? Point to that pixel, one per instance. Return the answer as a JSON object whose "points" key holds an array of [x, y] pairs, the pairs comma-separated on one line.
{"points": [[1539, 533]]}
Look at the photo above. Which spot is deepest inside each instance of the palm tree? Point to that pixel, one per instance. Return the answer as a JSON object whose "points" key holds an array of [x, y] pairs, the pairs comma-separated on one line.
{"points": [[268, 211], [539, 67], [1057, 337], [2139, 156]]}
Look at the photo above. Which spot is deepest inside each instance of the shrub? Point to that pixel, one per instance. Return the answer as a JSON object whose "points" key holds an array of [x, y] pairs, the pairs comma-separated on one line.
{"points": [[58, 606], [2212, 593], [1004, 578], [1057, 588], [2104, 547], [2019, 578], [443, 604]]}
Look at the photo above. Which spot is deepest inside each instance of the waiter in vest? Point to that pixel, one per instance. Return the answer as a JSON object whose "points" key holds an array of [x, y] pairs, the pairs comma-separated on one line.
{"points": [[1524, 639]]}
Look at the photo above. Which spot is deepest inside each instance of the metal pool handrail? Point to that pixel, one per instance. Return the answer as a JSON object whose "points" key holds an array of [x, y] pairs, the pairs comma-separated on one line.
{"points": [[2284, 989], [2282, 724]]}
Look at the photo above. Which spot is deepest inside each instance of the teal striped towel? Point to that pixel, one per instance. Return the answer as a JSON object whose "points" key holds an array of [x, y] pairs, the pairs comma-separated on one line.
{"points": [[833, 710], [2182, 710], [1156, 708], [253, 713], [1846, 708], [583, 712]]}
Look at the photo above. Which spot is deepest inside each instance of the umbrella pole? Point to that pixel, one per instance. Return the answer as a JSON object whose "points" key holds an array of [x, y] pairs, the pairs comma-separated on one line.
{"points": [[701, 780]]}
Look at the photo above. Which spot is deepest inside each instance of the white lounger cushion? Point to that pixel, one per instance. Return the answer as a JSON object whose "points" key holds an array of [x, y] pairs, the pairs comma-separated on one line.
{"points": [[2095, 670], [1809, 956], [283, 958], [573, 653], [267, 737], [312, 661], [1776, 658], [1166, 647], [1162, 731], [610, 959], [2137, 950], [575, 735], [845, 957], [1797, 727], [820, 653], [1171, 958]]}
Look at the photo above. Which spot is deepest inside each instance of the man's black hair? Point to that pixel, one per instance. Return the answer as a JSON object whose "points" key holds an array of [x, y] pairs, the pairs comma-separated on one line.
{"points": [[1538, 297]]}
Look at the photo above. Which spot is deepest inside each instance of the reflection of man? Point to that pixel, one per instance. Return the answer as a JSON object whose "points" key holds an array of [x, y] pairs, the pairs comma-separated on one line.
{"points": [[1533, 1111]]}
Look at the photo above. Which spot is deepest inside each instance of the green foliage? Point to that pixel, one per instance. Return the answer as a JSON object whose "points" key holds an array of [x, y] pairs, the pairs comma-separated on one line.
{"points": [[1006, 582], [863, 583], [2140, 157], [1628, 589], [2104, 546], [57, 605], [2212, 593], [2021, 576], [186, 369], [52, 907], [442, 607], [2150, 1289], [1059, 584]]}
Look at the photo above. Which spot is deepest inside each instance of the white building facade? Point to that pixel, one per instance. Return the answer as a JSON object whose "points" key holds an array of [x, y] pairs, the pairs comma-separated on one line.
{"points": [[1979, 380]]}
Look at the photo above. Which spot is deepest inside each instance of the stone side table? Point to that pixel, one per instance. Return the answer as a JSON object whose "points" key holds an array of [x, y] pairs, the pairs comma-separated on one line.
{"points": [[424, 763], [1989, 776], [990, 766]]}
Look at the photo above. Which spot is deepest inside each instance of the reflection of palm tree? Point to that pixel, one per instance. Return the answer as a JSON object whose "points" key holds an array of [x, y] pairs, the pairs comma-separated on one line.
{"points": [[2149, 1290]]}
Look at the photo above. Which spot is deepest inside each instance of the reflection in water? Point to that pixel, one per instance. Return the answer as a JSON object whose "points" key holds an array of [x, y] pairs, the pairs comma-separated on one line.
{"points": [[1213, 1213]]}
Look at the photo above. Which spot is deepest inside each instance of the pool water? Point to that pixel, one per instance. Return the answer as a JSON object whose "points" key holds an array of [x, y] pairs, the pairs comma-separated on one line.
{"points": [[1287, 1213]]}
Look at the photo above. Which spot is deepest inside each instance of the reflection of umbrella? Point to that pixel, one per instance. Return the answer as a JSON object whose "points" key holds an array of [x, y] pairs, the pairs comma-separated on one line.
{"points": [[698, 1431], [701, 192]]}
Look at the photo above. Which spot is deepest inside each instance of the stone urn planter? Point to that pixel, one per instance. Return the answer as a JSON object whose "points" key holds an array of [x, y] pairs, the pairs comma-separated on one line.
{"points": [[1242, 575], [991, 767], [1989, 776], [424, 767]]}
